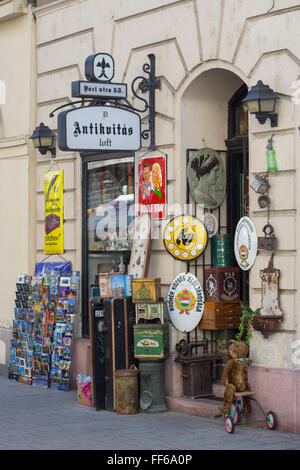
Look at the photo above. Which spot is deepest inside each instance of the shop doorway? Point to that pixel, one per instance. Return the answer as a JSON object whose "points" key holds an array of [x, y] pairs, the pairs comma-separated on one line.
{"points": [[107, 220], [237, 170], [212, 116]]}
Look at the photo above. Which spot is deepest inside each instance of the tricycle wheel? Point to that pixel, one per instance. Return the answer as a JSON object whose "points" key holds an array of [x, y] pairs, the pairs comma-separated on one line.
{"points": [[271, 420], [235, 413], [229, 424]]}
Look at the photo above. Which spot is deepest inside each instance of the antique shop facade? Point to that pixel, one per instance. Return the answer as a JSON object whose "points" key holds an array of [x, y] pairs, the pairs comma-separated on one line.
{"points": [[208, 54]]}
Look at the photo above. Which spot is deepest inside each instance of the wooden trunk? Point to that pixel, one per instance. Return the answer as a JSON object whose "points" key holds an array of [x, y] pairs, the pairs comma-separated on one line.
{"points": [[112, 323], [221, 316]]}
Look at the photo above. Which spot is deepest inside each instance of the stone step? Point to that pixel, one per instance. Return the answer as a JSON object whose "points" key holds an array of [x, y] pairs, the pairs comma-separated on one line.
{"points": [[218, 390], [206, 407]]}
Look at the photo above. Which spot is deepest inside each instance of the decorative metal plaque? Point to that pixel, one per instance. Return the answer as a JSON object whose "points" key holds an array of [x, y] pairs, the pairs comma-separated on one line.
{"points": [[206, 178]]}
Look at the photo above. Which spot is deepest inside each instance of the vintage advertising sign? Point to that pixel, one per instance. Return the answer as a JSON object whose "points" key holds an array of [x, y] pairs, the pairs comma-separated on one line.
{"points": [[245, 243], [99, 128], [185, 237], [185, 302], [152, 178], [54, 229]]}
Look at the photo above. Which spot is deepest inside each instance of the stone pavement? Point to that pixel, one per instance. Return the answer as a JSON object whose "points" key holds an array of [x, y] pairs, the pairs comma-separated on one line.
{"points": [[31, 418]]}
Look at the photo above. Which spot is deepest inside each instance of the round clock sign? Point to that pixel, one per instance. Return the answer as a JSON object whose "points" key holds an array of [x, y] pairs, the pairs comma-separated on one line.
{"points": [[185, 302], [245, 243], [185, 237]]}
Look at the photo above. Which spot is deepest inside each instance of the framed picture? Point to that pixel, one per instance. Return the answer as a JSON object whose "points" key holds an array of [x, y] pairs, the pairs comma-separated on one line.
{"points": [[152, 185]]}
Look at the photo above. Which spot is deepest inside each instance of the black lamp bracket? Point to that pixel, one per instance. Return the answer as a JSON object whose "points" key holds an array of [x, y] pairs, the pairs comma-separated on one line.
{"points": [[262, 117]]}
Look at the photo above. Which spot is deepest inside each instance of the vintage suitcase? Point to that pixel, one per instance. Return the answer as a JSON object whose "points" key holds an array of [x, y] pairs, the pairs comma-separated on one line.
{"points": [[151, 340], [222, 284], [146, 290], [221, 316], [112, 346]]}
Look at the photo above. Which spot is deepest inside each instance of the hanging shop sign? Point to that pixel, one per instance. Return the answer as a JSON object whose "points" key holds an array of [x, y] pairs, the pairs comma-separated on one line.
{"points": [[211, 224], [54, 229], [185, 237], [206, 178], [185, 302], [99, 128], [152, 178], [245, 243]]}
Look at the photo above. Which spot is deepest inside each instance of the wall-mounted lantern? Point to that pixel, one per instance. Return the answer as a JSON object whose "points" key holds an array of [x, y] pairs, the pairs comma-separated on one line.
{"points": [[43, 139], [261, 101]]}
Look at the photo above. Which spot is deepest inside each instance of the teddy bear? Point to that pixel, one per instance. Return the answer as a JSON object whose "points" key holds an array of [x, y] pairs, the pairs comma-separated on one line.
{"points": [[235, 376]]}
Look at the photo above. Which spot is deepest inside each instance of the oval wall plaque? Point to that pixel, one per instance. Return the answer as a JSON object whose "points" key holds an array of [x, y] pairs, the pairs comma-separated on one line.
{"points": [[185, 237], [206, 177], [185, 302], [245, 243]]}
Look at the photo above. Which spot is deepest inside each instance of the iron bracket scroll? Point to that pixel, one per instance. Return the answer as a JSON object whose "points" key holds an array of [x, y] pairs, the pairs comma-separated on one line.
{"points": [[146, 84], [149, 85]]}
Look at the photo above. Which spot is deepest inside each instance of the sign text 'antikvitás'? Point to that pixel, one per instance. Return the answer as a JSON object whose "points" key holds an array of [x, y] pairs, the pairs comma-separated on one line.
{"points": [[99, 128]]}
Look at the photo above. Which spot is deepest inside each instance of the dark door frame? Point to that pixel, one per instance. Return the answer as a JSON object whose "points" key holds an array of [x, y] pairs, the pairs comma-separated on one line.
{"points": [[237, 148]]}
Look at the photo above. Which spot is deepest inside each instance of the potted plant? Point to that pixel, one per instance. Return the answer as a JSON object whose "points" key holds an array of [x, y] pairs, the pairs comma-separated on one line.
{"points": [[246, 324]]}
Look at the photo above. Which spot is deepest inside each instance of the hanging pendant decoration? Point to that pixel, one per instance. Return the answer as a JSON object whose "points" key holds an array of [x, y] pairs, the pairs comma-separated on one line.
{"points": [[211, 224], [185, 237]]}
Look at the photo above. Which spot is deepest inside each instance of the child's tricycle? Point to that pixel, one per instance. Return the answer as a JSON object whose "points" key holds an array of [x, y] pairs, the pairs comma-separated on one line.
{"points": [[234, 417]]}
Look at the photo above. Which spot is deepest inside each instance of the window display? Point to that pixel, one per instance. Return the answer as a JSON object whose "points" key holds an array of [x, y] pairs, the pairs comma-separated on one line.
{"points": [[110, 217]]}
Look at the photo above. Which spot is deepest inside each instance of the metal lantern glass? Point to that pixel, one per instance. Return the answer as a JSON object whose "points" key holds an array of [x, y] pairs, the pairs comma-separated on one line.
{"points": [[261, 101], [43, 139]]}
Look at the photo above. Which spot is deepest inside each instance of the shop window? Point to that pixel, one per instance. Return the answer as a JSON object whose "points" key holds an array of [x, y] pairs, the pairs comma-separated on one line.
{"points": [[108, 221]]}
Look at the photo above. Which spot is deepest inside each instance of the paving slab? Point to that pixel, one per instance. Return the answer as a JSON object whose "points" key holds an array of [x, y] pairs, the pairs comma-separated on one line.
{"points": [[37, 419]]}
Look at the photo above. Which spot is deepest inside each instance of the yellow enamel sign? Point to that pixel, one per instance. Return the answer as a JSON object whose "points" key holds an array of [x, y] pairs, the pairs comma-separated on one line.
{"points": [[185, 237], [54, 228]]}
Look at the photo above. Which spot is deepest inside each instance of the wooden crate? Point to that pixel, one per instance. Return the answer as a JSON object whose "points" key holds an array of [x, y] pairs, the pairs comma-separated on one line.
{"points": [[221, 316]]}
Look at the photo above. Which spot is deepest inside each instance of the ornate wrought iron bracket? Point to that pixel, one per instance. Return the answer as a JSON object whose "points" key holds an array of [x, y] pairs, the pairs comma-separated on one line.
{"points": [[149, 85]]}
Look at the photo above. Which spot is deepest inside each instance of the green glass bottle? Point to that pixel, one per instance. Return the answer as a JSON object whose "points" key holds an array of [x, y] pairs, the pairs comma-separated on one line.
{"points": [[271, 157]]}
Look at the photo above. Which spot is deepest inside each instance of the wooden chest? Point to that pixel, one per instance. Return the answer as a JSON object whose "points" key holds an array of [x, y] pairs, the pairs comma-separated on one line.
{"points": [[222, 284], [221, 316], [146, 290]]}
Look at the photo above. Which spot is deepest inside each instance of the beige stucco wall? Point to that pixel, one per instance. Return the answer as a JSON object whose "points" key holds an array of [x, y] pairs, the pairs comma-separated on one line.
{"points": [[17, 162], [244, 41]]}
